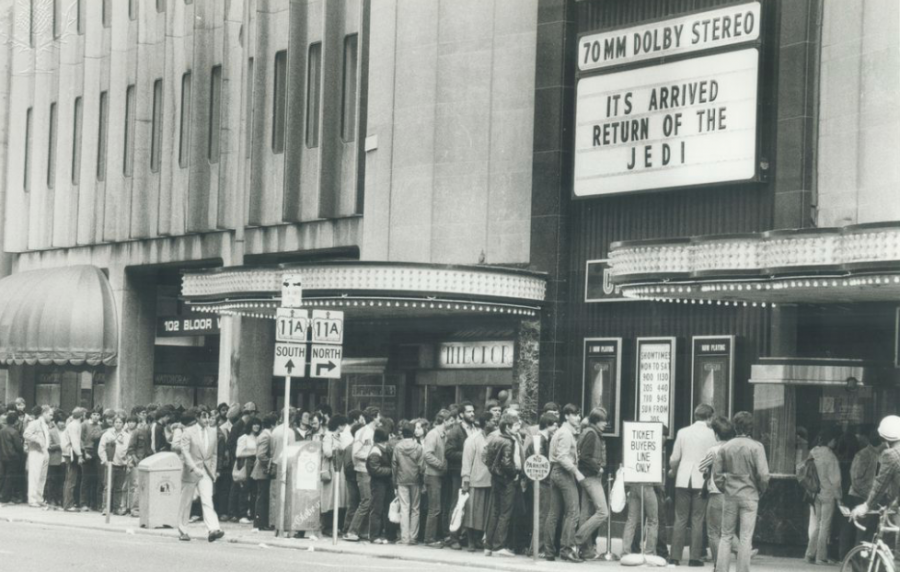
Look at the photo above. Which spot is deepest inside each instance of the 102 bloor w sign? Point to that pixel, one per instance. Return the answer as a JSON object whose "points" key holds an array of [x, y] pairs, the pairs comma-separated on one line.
{"points": [[684, 123]]}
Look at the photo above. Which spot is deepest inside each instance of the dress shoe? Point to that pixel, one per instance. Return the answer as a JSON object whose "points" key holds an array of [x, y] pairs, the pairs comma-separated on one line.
{"points": [[184, 537], [436, 544], [570, 556], [216, 535], [695, 563], [548, 556], [456, 546], [674, 562]]}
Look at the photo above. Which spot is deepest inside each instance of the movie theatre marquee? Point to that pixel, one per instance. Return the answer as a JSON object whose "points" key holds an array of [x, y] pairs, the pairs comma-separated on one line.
{"points": [[653, 125]]}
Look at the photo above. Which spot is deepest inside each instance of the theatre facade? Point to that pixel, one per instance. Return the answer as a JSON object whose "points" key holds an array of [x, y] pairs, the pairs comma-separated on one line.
{"points": [[734, 222]]}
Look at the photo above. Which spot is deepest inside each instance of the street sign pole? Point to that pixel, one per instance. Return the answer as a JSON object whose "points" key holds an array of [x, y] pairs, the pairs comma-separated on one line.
{"points": [[109, 486], [282, 496], [536, 533], [336, 506]]}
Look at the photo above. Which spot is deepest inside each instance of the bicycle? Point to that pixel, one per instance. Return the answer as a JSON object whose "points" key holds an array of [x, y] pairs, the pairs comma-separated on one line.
{"points": [[874, 556]]}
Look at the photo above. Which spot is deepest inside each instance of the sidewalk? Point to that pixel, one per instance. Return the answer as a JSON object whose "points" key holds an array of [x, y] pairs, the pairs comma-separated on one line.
{"points": [[242, 534]]}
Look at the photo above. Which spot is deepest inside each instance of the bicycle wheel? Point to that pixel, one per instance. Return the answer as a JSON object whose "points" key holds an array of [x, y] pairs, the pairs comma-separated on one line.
{"points": [[866, 559]]}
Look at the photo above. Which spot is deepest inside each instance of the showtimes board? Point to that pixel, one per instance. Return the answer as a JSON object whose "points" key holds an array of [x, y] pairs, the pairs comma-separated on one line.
{"points": [[656, 381]]}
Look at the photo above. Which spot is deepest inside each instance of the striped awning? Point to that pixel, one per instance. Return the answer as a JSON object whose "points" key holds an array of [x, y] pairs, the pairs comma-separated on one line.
{"points": [[61, 316]]}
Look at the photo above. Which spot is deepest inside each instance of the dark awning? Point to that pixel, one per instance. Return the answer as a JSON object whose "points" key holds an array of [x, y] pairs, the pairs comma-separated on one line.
{"points": [[61, 316]]}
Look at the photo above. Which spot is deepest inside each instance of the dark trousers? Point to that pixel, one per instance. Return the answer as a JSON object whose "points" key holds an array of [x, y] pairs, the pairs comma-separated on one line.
{"points": [[53, 488], [690, 508], [352, 502], [360, 524], [376, 515], [563, 504], [10, 480], [503, 493], [238, 498], [89, 480], [850, 536], [222, 493], [73, 476], [434, 484], [452, 484], [119, 488], [261, 513]]}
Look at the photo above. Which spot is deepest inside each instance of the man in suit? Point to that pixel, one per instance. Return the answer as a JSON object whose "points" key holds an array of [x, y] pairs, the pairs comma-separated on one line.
{"points": [[199, 445], [691, 445], [37, 444]]}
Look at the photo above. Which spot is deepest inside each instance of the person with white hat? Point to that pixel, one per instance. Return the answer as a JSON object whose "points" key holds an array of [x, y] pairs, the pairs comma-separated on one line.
{"points": [[887, 482]]}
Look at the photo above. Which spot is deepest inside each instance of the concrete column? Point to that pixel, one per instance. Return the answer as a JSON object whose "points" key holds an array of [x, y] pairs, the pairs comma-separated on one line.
{"points": [[246, 356], [526, 368], [131, 381], [783, 331], [20, 383]]}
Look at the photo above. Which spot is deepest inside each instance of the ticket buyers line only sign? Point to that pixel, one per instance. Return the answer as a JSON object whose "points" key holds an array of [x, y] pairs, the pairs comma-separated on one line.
{"points": [[670, 125]]}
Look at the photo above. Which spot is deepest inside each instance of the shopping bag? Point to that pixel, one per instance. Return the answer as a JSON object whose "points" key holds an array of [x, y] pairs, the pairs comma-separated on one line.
{"points": [[456, 518], [239, 472], [617, 495], [394, 511]]}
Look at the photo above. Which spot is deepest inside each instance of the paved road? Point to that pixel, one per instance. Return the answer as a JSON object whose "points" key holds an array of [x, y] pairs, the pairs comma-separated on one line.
{"points": [[26, 546]]}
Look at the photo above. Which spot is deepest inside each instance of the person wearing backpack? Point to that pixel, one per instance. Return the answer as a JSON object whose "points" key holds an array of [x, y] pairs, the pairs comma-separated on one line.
{"points": [[503, 459], [821, 510]]}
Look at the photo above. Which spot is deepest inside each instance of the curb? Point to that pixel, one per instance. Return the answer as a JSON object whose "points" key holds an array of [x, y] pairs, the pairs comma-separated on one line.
{"points": [[321, 546]]}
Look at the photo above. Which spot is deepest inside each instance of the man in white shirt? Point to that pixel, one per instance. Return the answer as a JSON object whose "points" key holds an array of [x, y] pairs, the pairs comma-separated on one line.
{"points": [[37, 443], [691, 445]]}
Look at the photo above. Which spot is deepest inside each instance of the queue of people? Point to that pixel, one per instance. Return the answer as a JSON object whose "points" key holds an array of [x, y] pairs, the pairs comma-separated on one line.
{"points": [[426, 469]]}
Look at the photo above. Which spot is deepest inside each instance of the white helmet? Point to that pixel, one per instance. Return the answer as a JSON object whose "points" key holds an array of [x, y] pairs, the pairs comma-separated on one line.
{"points": [[889, 428]]}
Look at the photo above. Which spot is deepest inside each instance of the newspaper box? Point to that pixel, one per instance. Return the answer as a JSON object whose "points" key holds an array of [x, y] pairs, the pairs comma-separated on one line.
{"points": [[159, 490], [303, 507]]}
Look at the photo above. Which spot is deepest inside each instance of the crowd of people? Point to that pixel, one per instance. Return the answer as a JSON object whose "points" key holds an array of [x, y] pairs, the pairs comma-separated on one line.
{"points": [[60, 460]]}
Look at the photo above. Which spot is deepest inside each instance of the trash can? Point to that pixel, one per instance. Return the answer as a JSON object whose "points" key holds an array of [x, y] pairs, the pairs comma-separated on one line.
{"points": [[159, 487]]}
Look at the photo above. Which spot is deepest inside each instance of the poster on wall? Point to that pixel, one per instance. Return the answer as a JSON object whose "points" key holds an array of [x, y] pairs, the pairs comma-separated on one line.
{"points": [[602, 380], [656, 381], [712, 373]]}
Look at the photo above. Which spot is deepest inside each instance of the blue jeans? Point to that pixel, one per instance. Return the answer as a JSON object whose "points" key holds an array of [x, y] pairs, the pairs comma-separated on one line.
{"points": [[503, 494], [361, 518], [433, 523], [594, 513], [651, 514], [563, 500], [736, 509]]}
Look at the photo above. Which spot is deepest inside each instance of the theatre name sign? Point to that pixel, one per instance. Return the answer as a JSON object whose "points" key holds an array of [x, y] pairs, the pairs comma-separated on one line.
{"points": [[644, 121]]}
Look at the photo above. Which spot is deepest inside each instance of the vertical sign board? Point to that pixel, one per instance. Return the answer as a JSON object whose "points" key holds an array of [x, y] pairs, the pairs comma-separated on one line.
{"points": [[642, 452], [712, 373], [326, 351], [292, 291], [656, 381], [602, 380], [305, 487]]}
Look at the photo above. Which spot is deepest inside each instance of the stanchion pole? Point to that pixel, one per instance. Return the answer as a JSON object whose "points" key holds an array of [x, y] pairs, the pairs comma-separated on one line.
{"points": [[609, 556], [536, 532], [335, 513], [643, 527], [109, 486], [282, 493]]}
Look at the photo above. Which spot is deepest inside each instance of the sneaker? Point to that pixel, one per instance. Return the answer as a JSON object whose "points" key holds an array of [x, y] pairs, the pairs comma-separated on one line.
{"points": [[312, 537], [350, 537], [487, 552], [435, 544], [570, 556], [505, 552], [71, 509], [245, 520], [456, 546], [85, 509]]}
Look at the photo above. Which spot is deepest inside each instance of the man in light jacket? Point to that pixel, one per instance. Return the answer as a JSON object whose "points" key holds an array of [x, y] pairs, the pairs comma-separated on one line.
{"points": [[37, 444], [821, 512], [362, 446], [74, 457], [564, 479], [199, 445], [691, 445], [435, 469]]}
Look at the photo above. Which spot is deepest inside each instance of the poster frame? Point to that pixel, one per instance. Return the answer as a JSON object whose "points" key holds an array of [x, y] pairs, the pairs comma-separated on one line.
{"points": [[610, 430], [731, 352], [673, 342]]}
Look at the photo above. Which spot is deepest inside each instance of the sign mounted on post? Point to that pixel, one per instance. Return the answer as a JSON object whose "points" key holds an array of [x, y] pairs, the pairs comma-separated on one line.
{"points": [[327, 327], [325, 361], [642, 452], [290, 360], [656, 381], [537, 467], [292, 291], [712, 373], [291, 325]]}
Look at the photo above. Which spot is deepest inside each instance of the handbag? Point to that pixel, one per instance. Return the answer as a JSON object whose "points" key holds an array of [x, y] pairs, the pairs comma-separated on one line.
{"points": [[394, 511], [617, 494], [326, 472], [458, 512], [239, 475]]}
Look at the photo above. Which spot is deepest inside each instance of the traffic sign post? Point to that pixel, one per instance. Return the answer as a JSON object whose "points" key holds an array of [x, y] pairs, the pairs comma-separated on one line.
{"points": [[537, 468]]}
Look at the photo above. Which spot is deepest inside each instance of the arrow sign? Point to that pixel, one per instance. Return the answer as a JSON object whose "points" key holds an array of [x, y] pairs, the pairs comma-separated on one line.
{"points": [[290, 360], [325, 361]]}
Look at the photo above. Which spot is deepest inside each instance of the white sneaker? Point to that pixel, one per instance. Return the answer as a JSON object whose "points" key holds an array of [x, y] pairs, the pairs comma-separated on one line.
{"points": [[312, 537], [504, 552], [245, 520]]}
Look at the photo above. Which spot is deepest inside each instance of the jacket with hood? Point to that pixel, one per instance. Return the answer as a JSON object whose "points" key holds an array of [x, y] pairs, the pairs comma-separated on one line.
{"points": [[408, 463]]}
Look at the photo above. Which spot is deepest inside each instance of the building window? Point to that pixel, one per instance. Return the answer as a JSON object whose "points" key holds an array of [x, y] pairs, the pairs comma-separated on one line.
{"points": [[76, 143], [313, 77], [215, 115], [278, 108], [132, 9], [160, 5], [128, 158], [156, 127], [101, 136], [26, 183], [348, 91], [184, 137], [51, 148], [249, 99], [79, 16]]}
